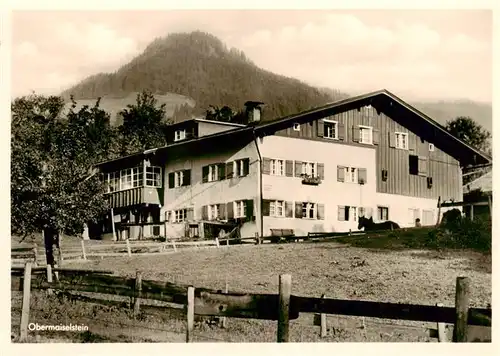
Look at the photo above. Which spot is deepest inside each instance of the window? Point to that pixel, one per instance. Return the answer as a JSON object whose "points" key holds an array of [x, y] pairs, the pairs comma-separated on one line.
{"points": [[213, 212], [401, 140], [384, 175], [240, 207], [277, 208], [308, 210], [309, 169], [277, 167], [180, 135], [383, 213], [180, 215], [431, 147], [130, 178], [354, 211], [241, 167], [349, 213], [351, 175], [179, 179], [153, 177], [413, 161], [365, 135], [113, 182], [331, 129], [361, 211], [213, 173], [428, 217], [296, 127]]}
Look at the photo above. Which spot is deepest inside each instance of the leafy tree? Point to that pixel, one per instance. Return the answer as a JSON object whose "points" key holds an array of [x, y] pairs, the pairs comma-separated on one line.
{"points": [[53, 185], [144, 124], [470, 132], [220, 114]]}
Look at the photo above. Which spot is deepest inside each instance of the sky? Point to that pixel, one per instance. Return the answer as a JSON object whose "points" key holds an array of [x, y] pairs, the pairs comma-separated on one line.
{"points": [[416, 54]]}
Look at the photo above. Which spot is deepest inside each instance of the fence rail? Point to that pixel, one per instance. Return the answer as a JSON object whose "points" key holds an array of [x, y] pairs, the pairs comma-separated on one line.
{"points": [[281, 307]]}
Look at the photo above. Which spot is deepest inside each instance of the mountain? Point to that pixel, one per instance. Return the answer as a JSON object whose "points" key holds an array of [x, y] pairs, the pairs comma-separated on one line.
{"points": [[190, 71]]}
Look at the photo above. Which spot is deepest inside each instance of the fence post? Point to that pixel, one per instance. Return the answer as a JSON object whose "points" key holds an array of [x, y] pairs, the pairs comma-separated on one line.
{"points": [[323, 322], [285, 289], [173, 245], [217, 242], [224, 320], [461, 310], [138, 289], [49, 278], [441, 329], [83, 250], [190, 314], [128, 248], [25, 313]]}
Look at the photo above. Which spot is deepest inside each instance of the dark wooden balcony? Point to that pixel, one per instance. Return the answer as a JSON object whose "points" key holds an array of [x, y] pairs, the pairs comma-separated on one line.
{"points": [[135, 196]]}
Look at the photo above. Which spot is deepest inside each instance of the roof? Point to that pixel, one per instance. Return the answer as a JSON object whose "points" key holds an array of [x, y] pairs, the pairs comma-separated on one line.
{"points": [[485, 183], [381, 100]]}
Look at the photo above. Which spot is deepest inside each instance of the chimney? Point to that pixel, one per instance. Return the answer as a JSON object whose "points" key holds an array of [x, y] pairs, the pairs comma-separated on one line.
{"points": [[253, 111]]}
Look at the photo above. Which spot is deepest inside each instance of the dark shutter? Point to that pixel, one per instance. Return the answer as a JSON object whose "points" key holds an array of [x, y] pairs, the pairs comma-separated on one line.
{"points": [[341, 128], [298, 210], [229, 170], [190, 214], [204, 212], [265, 207], [171, 180], [289, 168], [187, 178], [422, 166], [392, 139], [204, 174], [298, 168], [340, 173], [249, 209], [321, 171], [230, 210], [362, 176], [341, 213], [221, 167], [321, 212], [246, 166], [289, 209], [376, 137], [222, 211], [266, 166], [321, 128], [355, 133]]}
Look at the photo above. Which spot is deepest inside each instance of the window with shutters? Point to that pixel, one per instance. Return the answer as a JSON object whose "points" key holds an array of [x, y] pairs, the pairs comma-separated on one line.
{"points": [[401, 140], [308, 210], [178, 179], [179, 135], [413, 215], [309, 169], [348, 213], [413, 162], [351, 175], [366, 135], [428, 217], [361, 211], [153, 177], [383, 213], [240, 208], [331, 129], [277, 167], [179, 215], [241, 167], [277, 208], [213, 212], [213, 173]]}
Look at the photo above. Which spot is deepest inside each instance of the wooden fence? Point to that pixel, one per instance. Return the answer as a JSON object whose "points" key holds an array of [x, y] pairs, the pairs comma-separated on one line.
{"points": [[281, 307]]}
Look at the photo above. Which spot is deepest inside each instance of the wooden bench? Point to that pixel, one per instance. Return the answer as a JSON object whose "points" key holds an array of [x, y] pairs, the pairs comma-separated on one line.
{"points": [[278, 234]]}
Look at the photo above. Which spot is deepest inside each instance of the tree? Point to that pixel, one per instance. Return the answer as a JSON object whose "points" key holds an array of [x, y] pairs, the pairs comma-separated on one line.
{"points": [[470, 132], [53, 185], [224, 114], [144, 124]]}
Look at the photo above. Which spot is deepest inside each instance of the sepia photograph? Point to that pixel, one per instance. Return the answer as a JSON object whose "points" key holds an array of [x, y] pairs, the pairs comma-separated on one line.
{"points": [[251, 176]]}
